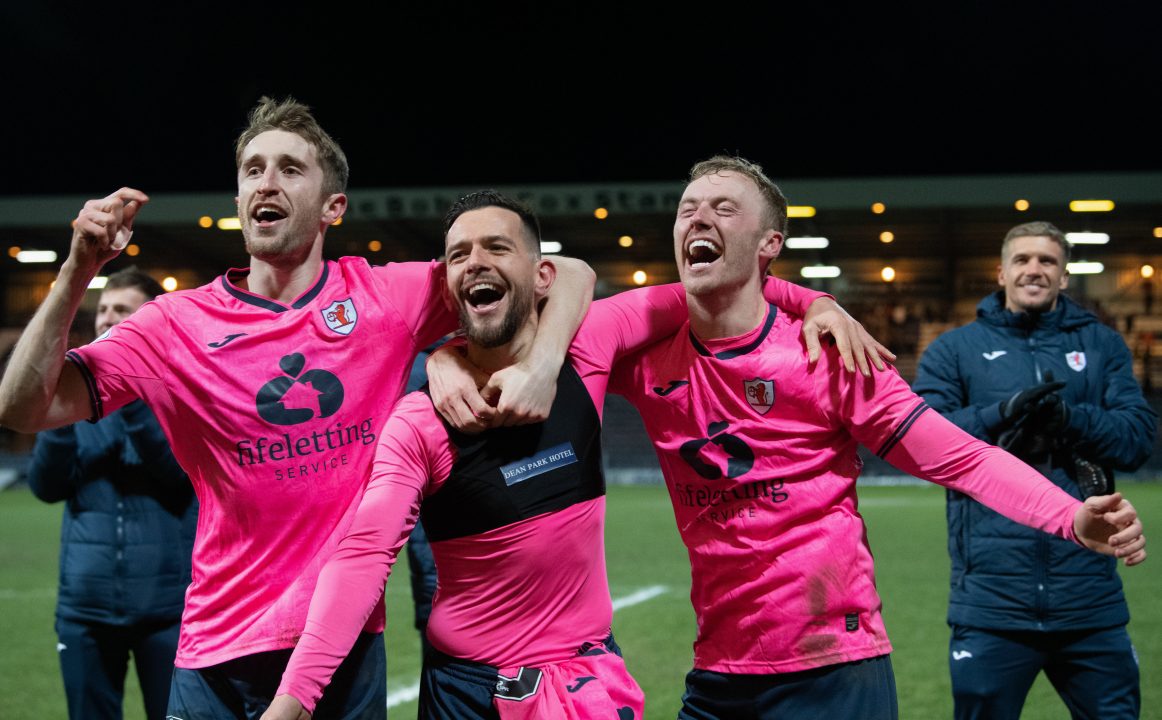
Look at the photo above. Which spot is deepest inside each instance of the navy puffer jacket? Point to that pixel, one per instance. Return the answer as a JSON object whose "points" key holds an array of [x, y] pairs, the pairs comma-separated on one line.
{"points": [[1006, 576], [129, 520]]}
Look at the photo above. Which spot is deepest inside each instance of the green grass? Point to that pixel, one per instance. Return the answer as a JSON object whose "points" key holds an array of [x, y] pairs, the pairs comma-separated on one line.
{"points": [[906, 527]]}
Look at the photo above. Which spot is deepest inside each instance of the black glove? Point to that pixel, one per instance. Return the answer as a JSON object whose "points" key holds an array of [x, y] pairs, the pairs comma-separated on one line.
{"points": [[1051, 415], [1023, 402]]}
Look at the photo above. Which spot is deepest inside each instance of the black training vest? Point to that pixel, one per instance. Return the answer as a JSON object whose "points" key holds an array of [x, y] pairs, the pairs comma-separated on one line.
{"points": [[510, 474]]}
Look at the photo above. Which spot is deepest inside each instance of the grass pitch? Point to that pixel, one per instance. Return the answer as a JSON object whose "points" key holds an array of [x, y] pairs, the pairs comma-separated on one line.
{"points": [[906, 528]]}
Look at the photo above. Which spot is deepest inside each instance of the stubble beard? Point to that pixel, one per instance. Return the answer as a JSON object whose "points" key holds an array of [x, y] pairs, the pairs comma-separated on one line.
{"points": [[494, 334], [281, 245]]}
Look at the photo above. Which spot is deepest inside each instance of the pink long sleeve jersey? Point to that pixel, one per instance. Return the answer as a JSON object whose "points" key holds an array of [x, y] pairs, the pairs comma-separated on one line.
{"points": [[759, 454]]}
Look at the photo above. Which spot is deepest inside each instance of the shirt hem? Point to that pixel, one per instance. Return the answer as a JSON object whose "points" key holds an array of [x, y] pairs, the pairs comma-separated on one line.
{"points": [[764, 667]]}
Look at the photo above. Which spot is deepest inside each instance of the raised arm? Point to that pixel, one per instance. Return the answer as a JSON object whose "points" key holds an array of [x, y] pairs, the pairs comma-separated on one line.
{"points": [[39, 389]]}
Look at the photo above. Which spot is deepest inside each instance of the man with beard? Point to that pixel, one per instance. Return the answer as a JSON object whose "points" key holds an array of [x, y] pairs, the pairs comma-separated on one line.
{"points": [[520, 626], [759, 452], [1041, 377], [272, 384]]}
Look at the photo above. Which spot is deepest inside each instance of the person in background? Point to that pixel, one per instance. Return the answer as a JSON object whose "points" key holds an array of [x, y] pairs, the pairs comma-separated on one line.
{"points": [[126, 538], [1041, 377]]}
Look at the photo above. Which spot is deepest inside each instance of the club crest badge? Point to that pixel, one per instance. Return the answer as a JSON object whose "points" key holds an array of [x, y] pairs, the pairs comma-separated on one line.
{"points": [[760, 394], [340, 316], [1075, 360]]}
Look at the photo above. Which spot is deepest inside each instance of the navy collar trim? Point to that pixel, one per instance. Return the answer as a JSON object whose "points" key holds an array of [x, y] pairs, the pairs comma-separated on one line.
{"points": [[267, 303], [742, 349]]}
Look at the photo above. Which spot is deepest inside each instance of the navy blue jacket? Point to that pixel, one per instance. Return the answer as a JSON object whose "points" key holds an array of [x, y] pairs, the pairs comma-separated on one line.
{"points": [[129, 519], [1006, 576]]}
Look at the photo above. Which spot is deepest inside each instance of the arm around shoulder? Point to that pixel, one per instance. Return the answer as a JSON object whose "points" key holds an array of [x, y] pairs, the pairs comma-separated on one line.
{"points": [[526, 390]]}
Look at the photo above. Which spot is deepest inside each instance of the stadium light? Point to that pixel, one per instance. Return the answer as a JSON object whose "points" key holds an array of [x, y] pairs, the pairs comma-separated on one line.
{"points": [[887, 236], [1147, 270], [229, 223], [97, 283], [548, 247], [1022, 205], [170, 283], [820, 271], [1085, 268], [1091, 205], [807, 243], [640, 277], [888, 274], [36, 256], [1087, 238], [800, 211], [625, 241], [206, 221]]}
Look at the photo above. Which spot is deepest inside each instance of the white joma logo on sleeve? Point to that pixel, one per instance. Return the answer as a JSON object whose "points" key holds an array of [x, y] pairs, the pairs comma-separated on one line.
{"points": [[994, 354]]}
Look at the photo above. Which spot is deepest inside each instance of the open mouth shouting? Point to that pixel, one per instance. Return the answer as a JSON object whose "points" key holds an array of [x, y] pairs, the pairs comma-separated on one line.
{"points": [[267, 215], [483, 296], [702, 252]]}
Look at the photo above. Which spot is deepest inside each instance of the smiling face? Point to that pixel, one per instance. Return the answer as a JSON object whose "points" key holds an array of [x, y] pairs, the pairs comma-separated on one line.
{"points": [[281, 203], [494, 280], [721, 241], [1032, 273], [116, 304]]}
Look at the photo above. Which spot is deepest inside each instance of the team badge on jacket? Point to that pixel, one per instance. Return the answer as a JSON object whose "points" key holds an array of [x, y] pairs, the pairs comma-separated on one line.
{"points": [[760, 394], [1075, 360], [340, 316]]}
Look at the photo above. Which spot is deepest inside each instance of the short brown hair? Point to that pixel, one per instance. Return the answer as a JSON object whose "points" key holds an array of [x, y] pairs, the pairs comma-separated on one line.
{"points": [[292, 116], [776, 212], [131, 277], [491, 198], [1038, 228]]}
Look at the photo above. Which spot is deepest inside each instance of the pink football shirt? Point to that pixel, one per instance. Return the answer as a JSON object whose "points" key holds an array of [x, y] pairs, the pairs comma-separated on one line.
{"points": [[274, 410], [759, 455]]}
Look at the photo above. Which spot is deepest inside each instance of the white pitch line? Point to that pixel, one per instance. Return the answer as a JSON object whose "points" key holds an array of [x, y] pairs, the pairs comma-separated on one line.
{"points": [[399, 697], [37, 594], [639, 597], [412, 692]]}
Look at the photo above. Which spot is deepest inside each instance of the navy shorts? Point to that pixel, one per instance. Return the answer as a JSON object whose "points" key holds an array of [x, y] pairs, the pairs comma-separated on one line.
{"points": [[456, 689], [860, 690], [1094, 671], [242, 688]]}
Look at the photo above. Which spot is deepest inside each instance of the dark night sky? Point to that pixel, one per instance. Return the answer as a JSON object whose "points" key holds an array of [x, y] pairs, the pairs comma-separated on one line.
{"points": [[436, 95]]}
